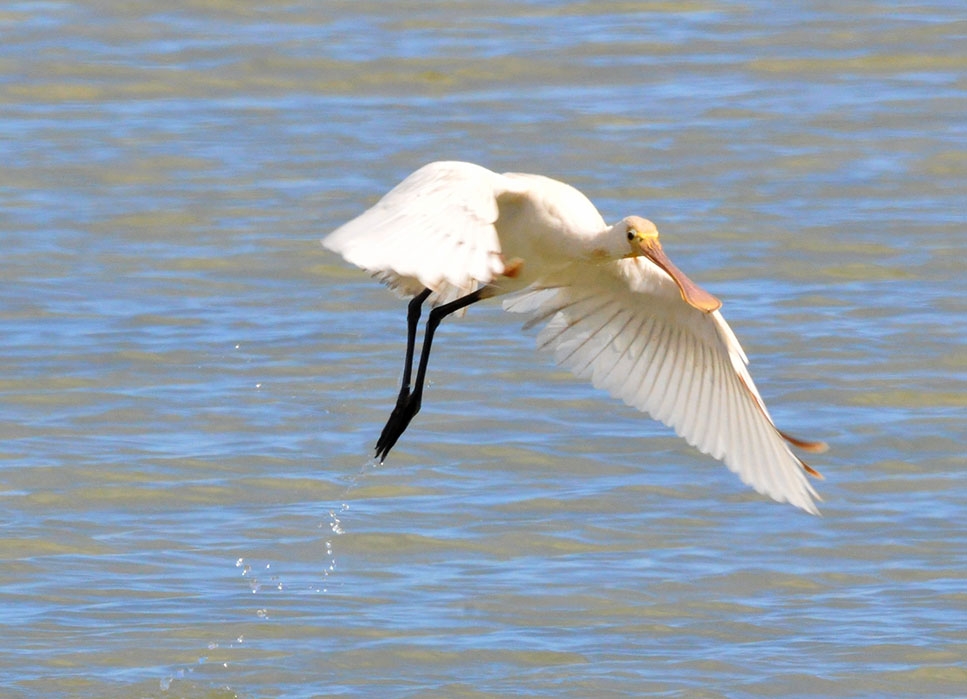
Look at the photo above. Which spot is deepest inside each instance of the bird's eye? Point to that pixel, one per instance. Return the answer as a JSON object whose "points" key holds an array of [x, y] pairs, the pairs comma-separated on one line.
{"points": [[631, 234]]}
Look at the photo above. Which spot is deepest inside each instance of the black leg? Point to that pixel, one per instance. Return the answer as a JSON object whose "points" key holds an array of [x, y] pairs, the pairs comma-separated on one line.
{"points": [[412, 318], [413, 310], [408, 404]]}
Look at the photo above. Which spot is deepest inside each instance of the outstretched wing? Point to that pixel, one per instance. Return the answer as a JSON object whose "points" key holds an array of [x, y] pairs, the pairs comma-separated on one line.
{"points": [[435, 229], [625, 327]]}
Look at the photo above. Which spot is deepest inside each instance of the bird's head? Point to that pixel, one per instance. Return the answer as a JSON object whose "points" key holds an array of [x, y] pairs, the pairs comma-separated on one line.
{"points": [[642, 236]]}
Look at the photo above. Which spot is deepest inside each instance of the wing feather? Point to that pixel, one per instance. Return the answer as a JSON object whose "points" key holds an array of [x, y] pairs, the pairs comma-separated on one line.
{"points": [[607, 374], [690, 388], [435, 229], [627, 329]]}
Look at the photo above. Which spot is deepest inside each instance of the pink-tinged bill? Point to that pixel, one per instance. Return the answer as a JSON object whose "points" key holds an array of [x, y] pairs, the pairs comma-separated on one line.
{"points": [[692, 293]]}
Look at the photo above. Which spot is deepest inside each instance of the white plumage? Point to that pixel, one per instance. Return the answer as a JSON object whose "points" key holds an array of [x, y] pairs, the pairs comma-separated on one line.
{"points": [[617, 311]]}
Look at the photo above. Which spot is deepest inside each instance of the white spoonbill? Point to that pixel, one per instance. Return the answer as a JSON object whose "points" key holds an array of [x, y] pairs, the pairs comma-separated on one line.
{"points": [[618, 311]]}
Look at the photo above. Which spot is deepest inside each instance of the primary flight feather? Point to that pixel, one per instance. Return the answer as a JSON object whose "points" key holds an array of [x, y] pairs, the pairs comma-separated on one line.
{"points": [[616, 309]]}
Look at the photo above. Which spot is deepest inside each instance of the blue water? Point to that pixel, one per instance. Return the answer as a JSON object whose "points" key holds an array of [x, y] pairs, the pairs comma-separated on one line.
{"points": [[192, 386]]}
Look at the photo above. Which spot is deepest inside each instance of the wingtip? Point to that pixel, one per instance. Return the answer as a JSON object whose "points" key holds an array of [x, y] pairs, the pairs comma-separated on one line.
{"points": [[805, 445], [811, 471], [812, 498]]}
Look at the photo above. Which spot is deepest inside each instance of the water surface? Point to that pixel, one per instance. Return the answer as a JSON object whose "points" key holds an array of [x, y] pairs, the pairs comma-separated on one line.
{"points": [[192, 387]]}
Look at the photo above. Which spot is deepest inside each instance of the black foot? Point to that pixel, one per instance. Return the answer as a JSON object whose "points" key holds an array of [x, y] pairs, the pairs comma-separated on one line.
{"points": [[407, 406]]}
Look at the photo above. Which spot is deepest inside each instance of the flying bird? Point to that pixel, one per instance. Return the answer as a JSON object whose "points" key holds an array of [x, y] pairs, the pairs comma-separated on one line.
{"points": [[616, 310]]}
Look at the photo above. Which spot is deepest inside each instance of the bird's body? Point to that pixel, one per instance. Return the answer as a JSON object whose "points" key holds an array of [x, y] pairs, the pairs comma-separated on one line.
{"points": [[452, 227], [617, 310]]}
